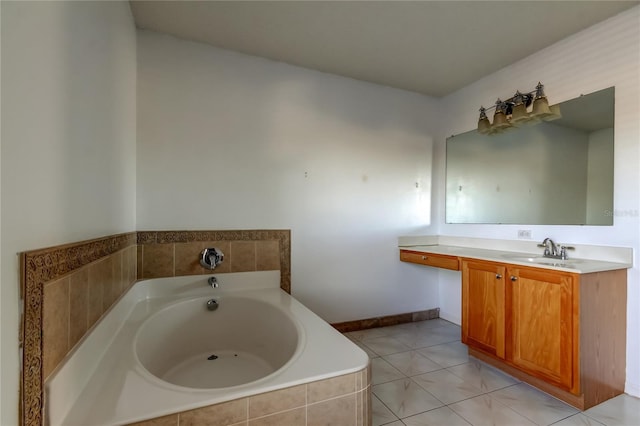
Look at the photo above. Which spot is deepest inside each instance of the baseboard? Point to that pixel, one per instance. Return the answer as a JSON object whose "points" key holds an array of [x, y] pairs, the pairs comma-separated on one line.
{"points": [[385, 321]]}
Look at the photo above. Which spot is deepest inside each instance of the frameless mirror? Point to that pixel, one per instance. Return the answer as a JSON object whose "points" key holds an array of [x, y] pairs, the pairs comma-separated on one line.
{"points": [[550, 173]]}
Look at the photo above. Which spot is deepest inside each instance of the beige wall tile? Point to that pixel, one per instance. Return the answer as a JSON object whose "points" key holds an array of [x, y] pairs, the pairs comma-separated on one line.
{"points": [[280, 400], [116, 281], [243, 256], [216, 415], [55, 324], [363, 378], [139, 261], [96, 278], [78, 305], [340, 411], [267, 255], [187, 258], [133, 265], [171, 420], [157, 260], [124, 283], [225, 247], [106, 271], [330, 388], [363, 407], [295, 417]]}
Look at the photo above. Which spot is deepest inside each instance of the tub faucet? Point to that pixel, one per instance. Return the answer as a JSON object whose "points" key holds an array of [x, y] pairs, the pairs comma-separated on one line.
{"points": [[211, 257], [213, 282]]}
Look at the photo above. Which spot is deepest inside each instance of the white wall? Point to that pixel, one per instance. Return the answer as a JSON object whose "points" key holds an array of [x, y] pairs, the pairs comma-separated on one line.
{"points": [[228, 141], [607, 54], [68, 140]]}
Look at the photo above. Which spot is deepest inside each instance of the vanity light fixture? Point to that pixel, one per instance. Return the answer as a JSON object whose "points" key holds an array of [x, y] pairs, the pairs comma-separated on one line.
{"points": [[515, 111]]}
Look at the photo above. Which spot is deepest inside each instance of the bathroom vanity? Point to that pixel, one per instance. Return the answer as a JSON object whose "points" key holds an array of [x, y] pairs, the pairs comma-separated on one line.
{"points": [[559, 325]]}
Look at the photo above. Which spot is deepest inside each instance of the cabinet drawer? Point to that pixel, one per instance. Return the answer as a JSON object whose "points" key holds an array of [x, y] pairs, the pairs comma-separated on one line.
{"points": [[430, 259]]}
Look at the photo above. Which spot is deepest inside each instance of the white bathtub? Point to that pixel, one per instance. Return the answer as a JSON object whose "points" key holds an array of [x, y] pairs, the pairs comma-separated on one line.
{"points": [[160, 351]]}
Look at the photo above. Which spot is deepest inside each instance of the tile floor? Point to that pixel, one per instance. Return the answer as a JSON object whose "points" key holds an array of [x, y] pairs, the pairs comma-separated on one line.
{"points": [[422, 376]]}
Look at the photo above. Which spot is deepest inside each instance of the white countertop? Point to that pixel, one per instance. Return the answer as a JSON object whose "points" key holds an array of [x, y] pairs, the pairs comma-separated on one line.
{"points": [[587, 259]]}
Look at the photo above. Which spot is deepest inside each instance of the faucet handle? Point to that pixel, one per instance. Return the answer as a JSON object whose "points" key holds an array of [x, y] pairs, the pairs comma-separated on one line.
{"points": [[211, 257], [546, 252], [563, 251]]}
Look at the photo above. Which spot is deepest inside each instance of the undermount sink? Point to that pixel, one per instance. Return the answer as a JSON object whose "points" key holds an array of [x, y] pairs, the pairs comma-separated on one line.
{"points": [[542, 260]]}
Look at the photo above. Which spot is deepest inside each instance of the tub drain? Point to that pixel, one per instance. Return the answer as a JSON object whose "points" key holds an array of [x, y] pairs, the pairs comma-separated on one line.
{"points": [[212, 357]]}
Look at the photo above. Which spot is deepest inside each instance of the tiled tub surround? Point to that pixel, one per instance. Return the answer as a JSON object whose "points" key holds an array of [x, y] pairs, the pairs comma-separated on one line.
{"points": [[67, 282], [177, 253], [66, 289], [343, 400], [327, 370]]}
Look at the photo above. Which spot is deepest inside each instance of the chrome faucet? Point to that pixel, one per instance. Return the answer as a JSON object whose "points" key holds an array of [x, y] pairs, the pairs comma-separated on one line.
{"points": [[211, 257], [551, 249], [213, 282]]}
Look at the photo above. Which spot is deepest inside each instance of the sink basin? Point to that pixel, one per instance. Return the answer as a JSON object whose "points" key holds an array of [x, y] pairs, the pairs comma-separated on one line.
{"points": [[541, 260]]}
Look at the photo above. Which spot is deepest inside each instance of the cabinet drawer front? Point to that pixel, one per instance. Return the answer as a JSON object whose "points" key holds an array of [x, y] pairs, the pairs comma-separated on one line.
{"points": [[430, 259]]}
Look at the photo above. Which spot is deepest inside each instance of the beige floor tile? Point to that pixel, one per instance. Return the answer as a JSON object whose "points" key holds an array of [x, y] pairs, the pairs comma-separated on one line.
{"points": [[535, 405], [446, 386], [510, 402], [411, 363], [362, 346], [621, 410], [383, 372], [486, 411], [428, 337], [405, 398], [447, 354], [438, 417], [482, 376], [578, 420], [385, 345], [370, 333], [380, 413]]}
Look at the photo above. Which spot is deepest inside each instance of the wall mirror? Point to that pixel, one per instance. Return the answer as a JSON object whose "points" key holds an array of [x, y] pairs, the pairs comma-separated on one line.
{"points": [[558, 172]]}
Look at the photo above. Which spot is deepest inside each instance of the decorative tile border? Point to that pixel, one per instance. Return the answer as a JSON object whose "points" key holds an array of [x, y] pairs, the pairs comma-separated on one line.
{"points": [[37, 268], [148, 238]]}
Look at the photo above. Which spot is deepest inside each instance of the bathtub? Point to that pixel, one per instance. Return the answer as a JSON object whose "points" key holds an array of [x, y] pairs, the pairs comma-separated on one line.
{"points": [[163, 349]]}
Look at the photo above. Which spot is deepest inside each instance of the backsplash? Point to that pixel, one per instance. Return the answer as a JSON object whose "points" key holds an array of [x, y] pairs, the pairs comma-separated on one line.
{"points": [[174, 253], [66, 289]]}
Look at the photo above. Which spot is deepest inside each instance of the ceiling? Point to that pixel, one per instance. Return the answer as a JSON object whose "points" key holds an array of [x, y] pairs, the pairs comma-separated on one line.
{"points": [[430, 47]]}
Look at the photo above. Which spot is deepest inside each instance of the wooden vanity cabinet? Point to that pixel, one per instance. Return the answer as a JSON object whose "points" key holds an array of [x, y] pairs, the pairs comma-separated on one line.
{"points": [[562, 332]]}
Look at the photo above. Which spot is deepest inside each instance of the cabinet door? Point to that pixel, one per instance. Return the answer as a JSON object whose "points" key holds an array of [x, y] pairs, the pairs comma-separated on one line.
{"points": [[483, 306], [544, 324]]}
